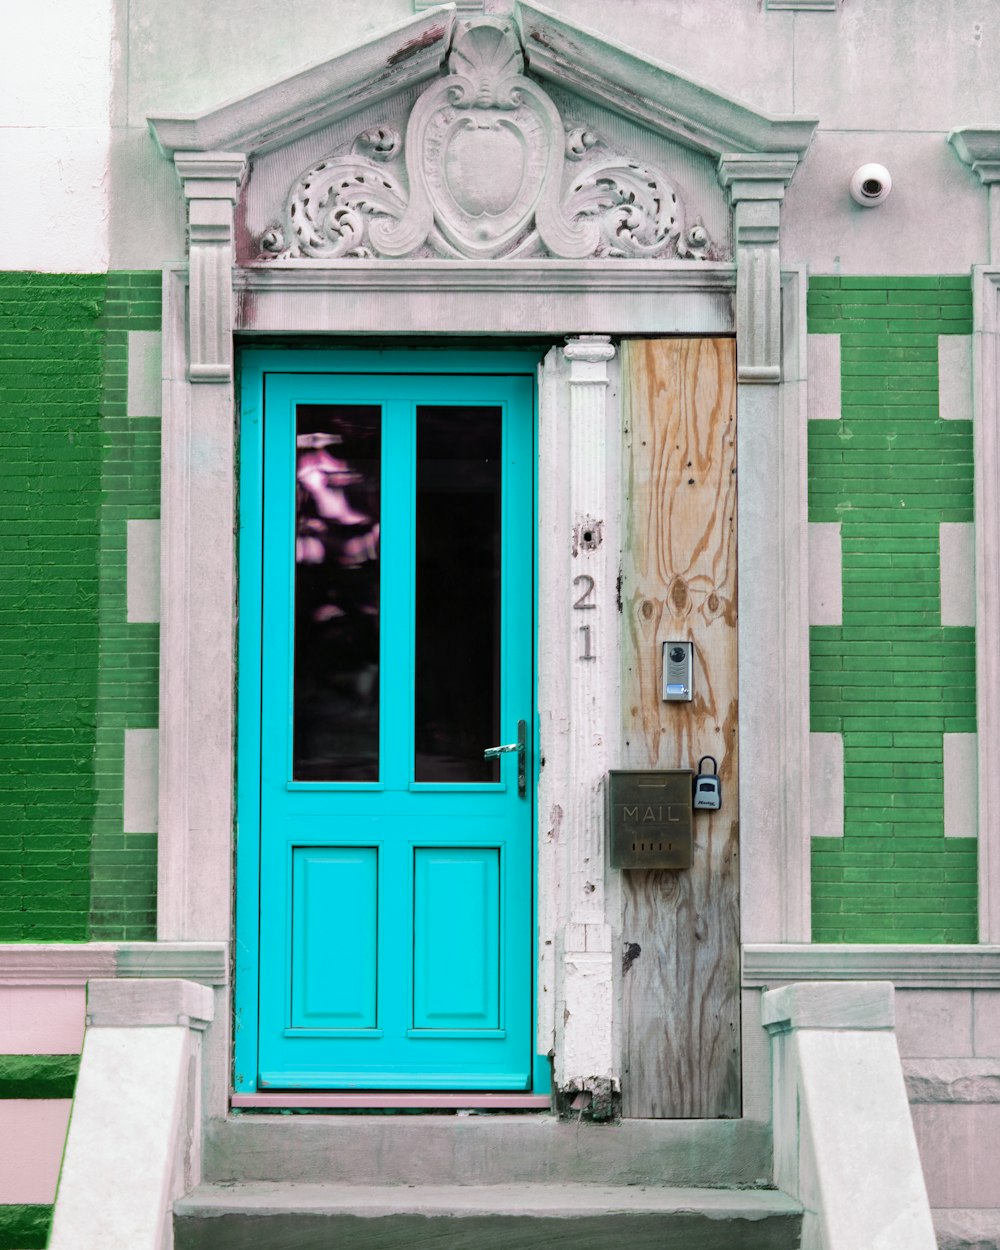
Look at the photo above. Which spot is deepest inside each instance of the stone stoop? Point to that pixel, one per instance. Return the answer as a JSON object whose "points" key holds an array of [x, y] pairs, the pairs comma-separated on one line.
{"points": [[484, 1217], [474, 1182], [494, 1149]]}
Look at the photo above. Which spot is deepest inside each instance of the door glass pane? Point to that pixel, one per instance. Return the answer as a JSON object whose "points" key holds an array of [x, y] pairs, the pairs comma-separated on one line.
{"points": [[457, 678], [335, 730]]}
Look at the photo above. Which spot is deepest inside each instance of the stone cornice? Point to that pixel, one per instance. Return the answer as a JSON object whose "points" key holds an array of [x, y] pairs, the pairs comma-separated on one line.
{"points": [[406, 54], [907, 967], [979, 146], [75, 963], [650, 93]]}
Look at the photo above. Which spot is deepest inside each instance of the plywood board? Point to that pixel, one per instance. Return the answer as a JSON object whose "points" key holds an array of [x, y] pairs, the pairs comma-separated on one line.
{"points": [[680, 970]]}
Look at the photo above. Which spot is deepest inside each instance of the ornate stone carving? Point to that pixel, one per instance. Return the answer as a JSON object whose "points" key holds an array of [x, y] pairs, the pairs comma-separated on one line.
{"points": [[488, 172]]}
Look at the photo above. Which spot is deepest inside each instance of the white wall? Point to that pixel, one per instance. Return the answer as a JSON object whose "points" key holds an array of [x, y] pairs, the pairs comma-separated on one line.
{"points": [[79, 77], [860, 69], [55, 87]]}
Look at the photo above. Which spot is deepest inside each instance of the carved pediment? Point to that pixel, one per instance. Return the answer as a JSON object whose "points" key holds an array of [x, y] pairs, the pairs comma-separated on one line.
{"points": [[488, 168]]}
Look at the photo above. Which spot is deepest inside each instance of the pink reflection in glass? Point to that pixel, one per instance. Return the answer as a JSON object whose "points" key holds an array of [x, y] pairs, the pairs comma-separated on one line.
{"points": [[335, 728]]}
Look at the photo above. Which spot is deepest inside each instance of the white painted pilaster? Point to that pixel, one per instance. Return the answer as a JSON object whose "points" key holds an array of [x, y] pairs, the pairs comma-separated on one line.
{"points": [[591, 549], [197, 595], [986, 397], [211, 182], [793, 858], [773, 643]]}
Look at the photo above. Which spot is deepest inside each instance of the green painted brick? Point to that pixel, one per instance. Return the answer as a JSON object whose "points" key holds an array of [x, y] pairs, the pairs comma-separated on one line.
{"points": [[24, 1227], [38, 1076], [72, 670], [891, 679]]}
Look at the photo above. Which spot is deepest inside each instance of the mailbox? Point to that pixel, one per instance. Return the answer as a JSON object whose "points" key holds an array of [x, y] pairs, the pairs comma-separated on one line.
{"points": [[650, 819]]}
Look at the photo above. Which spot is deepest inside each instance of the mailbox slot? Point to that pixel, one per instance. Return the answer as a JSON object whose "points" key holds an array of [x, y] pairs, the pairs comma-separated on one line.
{"points": [[650, 818]]}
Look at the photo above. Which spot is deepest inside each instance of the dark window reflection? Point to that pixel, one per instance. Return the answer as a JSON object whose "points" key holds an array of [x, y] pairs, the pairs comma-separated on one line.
{"points": [[458, 593], [337, 488]]}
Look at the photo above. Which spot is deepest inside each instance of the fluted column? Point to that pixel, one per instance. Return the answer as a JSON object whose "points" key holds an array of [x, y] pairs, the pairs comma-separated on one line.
{"points": [[586, 1051]]}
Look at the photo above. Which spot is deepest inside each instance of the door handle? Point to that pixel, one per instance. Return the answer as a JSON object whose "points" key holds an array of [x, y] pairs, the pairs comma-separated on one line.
{"points": [[521, 747]]}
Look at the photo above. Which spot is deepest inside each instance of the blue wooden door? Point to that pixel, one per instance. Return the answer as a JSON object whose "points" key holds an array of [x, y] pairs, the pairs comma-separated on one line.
{"points": [[395, 545]]}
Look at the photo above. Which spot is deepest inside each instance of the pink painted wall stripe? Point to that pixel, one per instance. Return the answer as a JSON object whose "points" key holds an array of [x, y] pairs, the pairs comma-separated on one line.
{"points": [[36, 1128], [42, 1019]]}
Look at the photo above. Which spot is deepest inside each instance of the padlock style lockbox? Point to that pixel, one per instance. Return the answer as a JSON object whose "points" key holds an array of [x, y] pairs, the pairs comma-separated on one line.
{"points": [[707, 787]]}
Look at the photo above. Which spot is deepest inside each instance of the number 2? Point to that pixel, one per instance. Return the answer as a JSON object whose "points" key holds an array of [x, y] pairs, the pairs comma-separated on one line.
{"points": [[581, 603]]}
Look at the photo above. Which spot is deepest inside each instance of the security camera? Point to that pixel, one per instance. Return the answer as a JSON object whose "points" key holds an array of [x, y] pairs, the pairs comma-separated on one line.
{"points": [[870, 185]]}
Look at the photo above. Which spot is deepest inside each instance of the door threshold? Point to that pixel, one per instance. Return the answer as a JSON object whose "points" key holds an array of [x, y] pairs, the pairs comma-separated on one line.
{"points": [[404, 1099]]}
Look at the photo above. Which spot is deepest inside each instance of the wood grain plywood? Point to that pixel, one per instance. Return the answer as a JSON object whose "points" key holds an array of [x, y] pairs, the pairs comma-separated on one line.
{"points": [[680, 971]]}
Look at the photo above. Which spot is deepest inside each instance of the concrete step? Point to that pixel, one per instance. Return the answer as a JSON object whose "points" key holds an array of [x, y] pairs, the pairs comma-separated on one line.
{"points": [[486, 1150], [487, 1217]]}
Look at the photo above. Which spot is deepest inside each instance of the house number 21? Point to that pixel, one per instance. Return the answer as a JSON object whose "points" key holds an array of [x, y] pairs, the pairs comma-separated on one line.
{"points": [[584, 604]]}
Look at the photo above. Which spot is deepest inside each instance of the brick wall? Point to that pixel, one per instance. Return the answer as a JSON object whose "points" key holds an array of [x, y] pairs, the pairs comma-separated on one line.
{"points": [[75, 466], [891, 678], [123, 880], [51, 356]]}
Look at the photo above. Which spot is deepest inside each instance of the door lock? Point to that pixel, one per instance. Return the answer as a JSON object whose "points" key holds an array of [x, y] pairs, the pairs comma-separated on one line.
{"points": [[521, 747]]}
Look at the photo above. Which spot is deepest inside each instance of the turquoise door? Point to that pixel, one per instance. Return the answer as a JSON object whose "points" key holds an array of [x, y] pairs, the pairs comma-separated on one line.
{"points": [[388, 519]]}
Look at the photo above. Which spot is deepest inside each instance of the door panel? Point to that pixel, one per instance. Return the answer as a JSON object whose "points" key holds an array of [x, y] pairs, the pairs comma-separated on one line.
{"points": [[396, 904], [456, 938], [334, 978]]}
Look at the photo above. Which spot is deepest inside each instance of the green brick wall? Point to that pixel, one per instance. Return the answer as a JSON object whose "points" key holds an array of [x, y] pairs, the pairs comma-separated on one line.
{"points": [[892, 680], [74, 467], [123, 865], [51, 359]]}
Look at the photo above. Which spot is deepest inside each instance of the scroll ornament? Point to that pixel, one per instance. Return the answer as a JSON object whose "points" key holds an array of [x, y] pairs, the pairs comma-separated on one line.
{"points": [[484, 176]]}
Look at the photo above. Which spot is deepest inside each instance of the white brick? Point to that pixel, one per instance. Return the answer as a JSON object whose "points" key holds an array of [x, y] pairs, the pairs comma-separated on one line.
{"points": [[961, 799], [141, 780], [145, 348], [955, 377], [826, 785], [957, 543], [824, 377], [825, 577], [142, 561]]}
